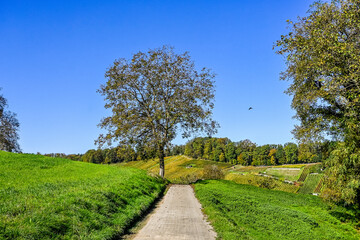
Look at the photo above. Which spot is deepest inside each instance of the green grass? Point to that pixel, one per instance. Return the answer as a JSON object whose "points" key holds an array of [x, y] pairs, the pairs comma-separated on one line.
{"points": [[239, 211], [310, 183], [291, 174], [255, 180], [52, 198]]}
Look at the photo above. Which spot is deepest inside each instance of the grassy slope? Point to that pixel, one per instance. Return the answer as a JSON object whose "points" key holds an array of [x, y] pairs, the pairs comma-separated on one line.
{"points": [[246, 212], [52, 198], [176, 167]]}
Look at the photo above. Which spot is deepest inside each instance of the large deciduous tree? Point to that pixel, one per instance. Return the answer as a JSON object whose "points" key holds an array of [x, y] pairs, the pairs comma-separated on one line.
{"points": [[9, 127], [322, 53], [153, 96]]}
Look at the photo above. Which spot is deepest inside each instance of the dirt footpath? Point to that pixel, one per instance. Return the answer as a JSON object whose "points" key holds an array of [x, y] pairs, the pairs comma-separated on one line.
{"points": [[178, 217]]}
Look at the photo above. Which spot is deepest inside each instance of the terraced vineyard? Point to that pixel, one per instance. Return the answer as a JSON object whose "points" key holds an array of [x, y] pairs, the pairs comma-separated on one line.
{"points": [[304, 173], [310, 183]]}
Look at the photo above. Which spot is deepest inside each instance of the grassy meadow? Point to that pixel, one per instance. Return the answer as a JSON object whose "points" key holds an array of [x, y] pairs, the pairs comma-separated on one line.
{"points": [[53, 198], [239, 211]]}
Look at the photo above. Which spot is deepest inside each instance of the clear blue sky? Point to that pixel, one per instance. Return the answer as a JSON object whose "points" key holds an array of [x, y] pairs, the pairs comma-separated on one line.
{"points": [[53, 56]]}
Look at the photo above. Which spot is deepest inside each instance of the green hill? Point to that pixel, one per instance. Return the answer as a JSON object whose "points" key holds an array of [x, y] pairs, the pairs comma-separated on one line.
{"points": [[53, 198], [246, 212]]}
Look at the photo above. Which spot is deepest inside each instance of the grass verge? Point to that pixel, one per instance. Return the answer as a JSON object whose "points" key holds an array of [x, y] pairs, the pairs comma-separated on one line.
{"points": [[239, 211], [52, 198]]}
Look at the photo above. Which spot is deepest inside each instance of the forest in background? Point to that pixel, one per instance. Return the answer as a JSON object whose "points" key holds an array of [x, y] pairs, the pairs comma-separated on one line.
{"points": [[243, 152]]}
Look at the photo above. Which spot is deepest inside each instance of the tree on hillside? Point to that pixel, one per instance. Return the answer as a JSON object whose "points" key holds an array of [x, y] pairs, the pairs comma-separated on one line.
{"points": [[291, 152], [9, 127], [230, 153], [272, 155], [323, 65], [154, 95]]}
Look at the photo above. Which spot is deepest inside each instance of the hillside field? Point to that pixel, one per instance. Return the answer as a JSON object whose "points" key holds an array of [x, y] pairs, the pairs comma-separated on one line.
{"points": [[184, 170], [178, 169], [239, 211], [53, 198]]}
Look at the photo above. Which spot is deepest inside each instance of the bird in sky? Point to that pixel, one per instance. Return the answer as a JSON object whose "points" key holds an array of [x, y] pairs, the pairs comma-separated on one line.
{"points": [[250, 108]]}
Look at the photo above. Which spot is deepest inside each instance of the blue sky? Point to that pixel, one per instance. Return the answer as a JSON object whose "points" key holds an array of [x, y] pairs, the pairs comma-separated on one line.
{"points": [[54, 55]]}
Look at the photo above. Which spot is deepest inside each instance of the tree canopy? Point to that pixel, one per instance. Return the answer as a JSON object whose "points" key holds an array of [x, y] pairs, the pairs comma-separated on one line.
{"points": [[322, 53], [153, 96], [9, 127]]}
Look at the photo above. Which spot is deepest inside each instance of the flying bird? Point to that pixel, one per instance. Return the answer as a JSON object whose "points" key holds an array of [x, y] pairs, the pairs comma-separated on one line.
{"points": [[250, 108]]}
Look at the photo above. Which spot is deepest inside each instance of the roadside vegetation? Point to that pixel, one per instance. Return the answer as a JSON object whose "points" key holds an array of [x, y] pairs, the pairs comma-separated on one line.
{"points": [[53, 198], [239, 211]]}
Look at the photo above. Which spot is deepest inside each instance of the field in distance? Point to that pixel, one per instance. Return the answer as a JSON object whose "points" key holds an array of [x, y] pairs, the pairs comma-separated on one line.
{"points": [[54, 198], [178, 169], [289, 178]]}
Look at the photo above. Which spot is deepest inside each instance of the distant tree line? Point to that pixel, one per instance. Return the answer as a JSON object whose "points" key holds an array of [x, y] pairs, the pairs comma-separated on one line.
{"points": [[243, 152], [119, 154], [246, 152]]}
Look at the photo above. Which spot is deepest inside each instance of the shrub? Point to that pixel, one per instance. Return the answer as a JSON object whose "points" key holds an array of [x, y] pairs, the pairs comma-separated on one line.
{"points": [[212, 172], [267, 182]]}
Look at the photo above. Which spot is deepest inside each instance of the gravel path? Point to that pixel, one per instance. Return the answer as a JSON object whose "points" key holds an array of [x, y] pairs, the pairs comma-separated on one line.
{"points": [[179, 216]]}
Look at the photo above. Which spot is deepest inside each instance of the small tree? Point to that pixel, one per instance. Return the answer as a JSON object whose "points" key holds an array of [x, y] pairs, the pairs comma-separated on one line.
{"points": [[9, 127], [154, 95]]}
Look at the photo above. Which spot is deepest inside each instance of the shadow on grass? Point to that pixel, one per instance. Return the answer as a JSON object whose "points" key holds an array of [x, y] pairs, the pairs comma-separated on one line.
{"points": [[351, 215]]}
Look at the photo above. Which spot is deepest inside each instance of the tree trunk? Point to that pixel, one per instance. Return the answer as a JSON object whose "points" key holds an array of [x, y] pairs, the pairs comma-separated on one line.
{"points": [[161, 155]]}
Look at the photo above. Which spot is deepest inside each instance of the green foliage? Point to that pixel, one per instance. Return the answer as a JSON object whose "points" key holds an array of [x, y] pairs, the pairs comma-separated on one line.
{"points": [[53, 198], [230, 154], [343, 171], [212, 172], [323, 61], [153, 96], [245, 212], [291, 153], [247, 153], [280, 154], [261, 156], [267, 182], [9, 127]]}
